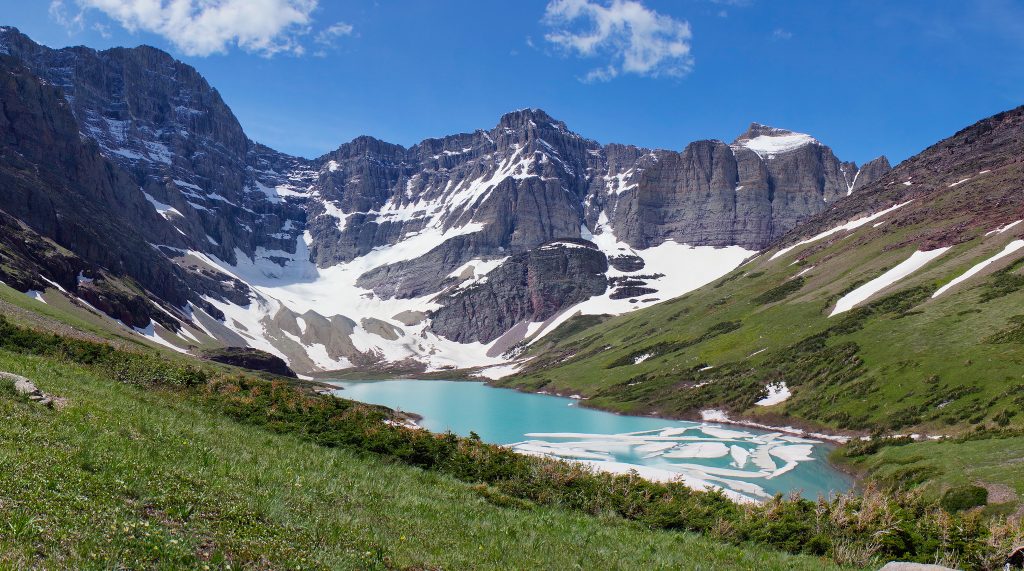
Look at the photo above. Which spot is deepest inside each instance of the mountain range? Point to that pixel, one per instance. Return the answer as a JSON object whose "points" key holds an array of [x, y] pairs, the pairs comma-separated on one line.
{"points": [[898, 309], [129, 191]]}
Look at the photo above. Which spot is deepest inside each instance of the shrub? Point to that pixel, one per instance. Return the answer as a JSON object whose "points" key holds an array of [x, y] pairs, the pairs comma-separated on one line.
{"points": [[964, 497], [781, 292]]}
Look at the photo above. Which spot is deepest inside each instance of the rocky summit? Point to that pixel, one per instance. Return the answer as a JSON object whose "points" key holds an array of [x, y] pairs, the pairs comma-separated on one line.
{"points": [[129, 190]]}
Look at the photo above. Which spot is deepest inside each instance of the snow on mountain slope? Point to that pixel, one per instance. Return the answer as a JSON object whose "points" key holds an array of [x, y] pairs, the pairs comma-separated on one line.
{"points": [[915, 262], [347, 260], [673, 269], [770, 145]]}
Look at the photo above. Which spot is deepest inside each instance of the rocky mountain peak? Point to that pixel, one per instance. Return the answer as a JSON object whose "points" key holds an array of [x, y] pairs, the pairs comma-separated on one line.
{"points": [[367, 146], [478, 234], [529, 118], [13, 42], [758, 130], [765, 140]]}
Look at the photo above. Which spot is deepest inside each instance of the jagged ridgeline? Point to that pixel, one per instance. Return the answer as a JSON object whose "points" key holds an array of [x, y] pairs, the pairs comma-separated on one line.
{"points": [[898, 309], [128, 189]]}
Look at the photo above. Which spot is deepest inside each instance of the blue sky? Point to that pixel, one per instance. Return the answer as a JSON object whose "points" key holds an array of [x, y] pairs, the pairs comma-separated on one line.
{"points": [[865, 77]]}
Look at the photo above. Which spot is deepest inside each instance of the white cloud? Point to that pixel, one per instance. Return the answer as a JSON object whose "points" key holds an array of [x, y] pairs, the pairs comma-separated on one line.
{"points": [[59, 13], [204, 27], [780, 34], [331, 33], [638, 40]]}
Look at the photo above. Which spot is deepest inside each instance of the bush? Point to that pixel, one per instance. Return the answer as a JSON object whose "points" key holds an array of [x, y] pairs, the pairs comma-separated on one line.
{"points": [[964, 497], [142, 369], [781, 292], [893, 524]]}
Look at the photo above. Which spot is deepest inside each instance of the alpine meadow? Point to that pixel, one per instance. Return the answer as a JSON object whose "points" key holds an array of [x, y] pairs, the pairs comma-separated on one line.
{"points": [[779, 326]]}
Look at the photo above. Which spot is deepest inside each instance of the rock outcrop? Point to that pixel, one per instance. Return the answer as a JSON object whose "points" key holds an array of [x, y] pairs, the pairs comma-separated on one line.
{"points": [[528, 287], [163, 210], [249, 358], [26, 388]]}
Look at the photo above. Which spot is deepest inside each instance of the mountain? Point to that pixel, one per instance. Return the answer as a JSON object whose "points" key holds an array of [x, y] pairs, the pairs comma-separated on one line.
{"points": [[898, 309], [149, 204]]}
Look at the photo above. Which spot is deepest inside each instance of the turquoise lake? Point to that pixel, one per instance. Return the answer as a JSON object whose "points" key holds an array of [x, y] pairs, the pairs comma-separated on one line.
{"points": [[754, 463]]}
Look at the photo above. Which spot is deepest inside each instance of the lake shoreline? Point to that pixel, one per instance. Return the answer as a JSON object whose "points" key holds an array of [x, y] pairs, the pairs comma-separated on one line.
{"points": [[795, 427], [455, 406], [809, 431]]}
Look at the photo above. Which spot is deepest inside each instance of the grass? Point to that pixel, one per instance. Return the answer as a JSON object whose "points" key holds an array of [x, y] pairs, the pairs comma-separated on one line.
{"points": [[910, 364], [846, 528], [143, 478], [992, 460]]}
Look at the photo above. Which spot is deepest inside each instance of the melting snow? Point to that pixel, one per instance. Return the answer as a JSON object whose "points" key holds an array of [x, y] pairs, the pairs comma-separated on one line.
{"points": [[499, 371], [684, 267], [1002, 229], [851, 225], [641, 358], [1009, 249], [36, 295], [162, 209], [149, 332], [777, 393], [915, 262]]}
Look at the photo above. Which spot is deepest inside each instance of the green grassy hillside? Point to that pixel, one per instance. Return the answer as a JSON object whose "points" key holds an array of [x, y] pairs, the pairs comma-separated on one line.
{"points": [[900, 362], [143, 478], [165, 462]]}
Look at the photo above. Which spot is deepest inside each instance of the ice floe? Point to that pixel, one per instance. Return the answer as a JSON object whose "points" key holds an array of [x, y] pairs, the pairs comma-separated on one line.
{"points": [[700, 456]]}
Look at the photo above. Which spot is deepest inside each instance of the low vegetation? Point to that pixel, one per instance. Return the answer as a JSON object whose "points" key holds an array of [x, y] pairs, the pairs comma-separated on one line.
{"points": [[184, 521]]}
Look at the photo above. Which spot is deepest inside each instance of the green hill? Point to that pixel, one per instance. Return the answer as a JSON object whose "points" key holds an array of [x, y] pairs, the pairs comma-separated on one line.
{"points": [[908, 358], [128, 477]]}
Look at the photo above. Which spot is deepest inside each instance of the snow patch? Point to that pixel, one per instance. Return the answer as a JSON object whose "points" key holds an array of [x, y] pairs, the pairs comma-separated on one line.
{"points": [[36, 295], [777, 393], [1002, 229], [851, 225], [916, 261], [162, 209], [1009, 249], [768, 145], [641, 358]]}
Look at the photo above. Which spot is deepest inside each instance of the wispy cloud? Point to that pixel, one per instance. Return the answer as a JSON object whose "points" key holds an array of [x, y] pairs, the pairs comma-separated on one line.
{"points": [[780, 34], [327, 39], [635, 39], [205, 27], [328, 35], [60, 14]]}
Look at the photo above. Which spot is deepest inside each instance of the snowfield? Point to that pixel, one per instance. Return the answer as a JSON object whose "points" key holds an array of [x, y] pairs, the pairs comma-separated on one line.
{"points": [[767, 145]]}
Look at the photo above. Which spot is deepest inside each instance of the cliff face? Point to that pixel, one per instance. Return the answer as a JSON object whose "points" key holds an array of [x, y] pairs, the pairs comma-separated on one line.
{"points": [[908, 291], [131, 161], [529, 287], [73, 219]]}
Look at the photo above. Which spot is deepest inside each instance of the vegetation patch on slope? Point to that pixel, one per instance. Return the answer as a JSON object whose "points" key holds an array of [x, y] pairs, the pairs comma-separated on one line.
{"points": [[846, 528]]}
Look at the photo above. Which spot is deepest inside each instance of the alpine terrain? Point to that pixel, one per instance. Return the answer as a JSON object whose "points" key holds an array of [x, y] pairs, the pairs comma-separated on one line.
{"points": [[216, 355], [130, 191]]}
